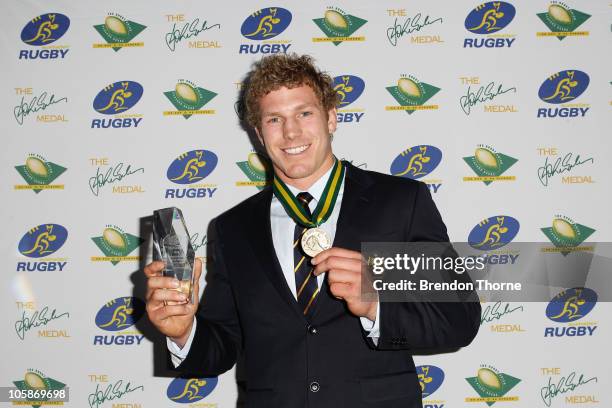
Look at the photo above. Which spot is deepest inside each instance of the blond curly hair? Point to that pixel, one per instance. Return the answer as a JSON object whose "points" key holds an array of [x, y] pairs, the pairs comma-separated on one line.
{"points": [[290, 71]]}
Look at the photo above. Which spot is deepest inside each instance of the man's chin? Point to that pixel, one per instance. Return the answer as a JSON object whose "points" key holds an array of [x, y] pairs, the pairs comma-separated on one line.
{"points": [[297, 172]]}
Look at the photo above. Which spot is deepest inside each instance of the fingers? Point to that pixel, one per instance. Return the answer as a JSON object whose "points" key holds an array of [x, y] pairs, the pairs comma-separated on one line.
{"points": [[337, 262], [337, 252], [344, 284], [164, 312], [341, 290], [160, 296], [344, 276], [160, 283]]}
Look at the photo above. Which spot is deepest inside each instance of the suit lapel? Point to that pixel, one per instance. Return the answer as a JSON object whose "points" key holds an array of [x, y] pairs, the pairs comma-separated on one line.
{"points": [[261, 238]]}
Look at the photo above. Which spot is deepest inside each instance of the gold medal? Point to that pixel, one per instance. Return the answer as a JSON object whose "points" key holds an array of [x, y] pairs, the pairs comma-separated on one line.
{"points": [[314, 241]]}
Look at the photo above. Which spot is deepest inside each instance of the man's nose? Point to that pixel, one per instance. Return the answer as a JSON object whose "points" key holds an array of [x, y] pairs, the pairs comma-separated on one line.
{"points": [[291, 128]]}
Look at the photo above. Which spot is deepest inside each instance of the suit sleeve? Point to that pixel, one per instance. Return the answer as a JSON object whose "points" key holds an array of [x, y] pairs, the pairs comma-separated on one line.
{"points": [[427, 325], [218, 336]]}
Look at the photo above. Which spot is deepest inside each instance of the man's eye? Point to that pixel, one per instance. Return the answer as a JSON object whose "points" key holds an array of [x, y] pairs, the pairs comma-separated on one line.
{"points": [[306, 113], [273, 120]]}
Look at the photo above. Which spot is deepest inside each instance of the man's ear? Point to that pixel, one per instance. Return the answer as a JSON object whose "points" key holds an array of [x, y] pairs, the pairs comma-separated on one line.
{"points": [[332, 120]]}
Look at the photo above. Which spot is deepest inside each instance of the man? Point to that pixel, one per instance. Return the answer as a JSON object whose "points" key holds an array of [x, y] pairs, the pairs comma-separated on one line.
{"points": [[307, 336]]}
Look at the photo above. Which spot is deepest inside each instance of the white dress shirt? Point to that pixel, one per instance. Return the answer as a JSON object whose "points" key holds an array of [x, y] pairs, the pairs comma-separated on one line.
{"points": [[283, 228]]}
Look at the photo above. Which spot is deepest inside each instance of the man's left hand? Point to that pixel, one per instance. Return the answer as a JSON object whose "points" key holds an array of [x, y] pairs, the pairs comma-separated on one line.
{"points": [[343, 268]]}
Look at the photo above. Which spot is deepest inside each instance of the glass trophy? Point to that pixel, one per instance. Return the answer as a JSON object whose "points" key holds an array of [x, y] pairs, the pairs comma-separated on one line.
{"points": [[172, 244]]}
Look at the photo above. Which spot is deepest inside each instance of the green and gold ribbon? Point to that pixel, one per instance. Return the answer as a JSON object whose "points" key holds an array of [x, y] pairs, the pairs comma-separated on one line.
{"points": [[326, 203]]}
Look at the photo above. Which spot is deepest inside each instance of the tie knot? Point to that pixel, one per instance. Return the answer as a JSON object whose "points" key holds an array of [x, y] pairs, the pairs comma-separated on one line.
{"points": [[304, 198]]}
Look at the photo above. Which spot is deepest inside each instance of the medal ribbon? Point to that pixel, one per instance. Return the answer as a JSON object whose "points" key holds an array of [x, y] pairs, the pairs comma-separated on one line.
{"points": [[326, 203]]}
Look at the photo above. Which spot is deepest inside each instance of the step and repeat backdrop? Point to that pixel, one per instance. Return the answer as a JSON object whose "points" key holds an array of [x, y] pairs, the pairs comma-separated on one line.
{"points": [[114, 109]]}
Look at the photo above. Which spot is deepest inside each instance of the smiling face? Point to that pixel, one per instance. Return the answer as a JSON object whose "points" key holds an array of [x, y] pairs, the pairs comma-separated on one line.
{"points": [[295, 131]]}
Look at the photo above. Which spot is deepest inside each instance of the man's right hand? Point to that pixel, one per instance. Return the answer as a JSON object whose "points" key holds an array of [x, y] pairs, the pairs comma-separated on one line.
{"points": [[167, 308]]}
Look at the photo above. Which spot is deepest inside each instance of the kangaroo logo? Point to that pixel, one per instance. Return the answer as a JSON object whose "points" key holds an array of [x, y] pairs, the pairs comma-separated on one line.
{"points": [[192, 169], [117, 100], [266, 24], [571, 304], [191, 390], [494, 233], [416, 161], [121, 315], [489, 19], [118, 97], [192, 166], [415, 165], [45, 30], [42, 240], [571, 307], [41, 246], [564, 88]]}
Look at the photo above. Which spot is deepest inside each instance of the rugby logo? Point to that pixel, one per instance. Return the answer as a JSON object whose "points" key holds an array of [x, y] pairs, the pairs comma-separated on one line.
{"points": [[190, 390], [118, 31], [120, 313], [416, 162], [116, 245], [489, 165], [118, 97], [566, 234], [562, 21], [412, 94], [493, 233], [188, 98], [266, 23], [349, 88], [39, 174], [492, 385], [192, 166], [338, 26], [571, 305], [490, 18], [563, 86], [45, 29], [43, 240]]}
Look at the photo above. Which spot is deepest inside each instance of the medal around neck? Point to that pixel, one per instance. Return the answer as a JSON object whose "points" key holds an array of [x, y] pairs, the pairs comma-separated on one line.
{"points": [[315, 239], [172, 244]]}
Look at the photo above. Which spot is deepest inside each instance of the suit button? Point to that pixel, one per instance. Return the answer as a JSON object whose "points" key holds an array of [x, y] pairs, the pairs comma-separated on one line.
{"points": [[314, 386], [312, 330]]}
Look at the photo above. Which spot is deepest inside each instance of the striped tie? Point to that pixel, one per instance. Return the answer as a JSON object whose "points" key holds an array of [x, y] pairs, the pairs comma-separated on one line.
{"points": [[305, 282]]}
